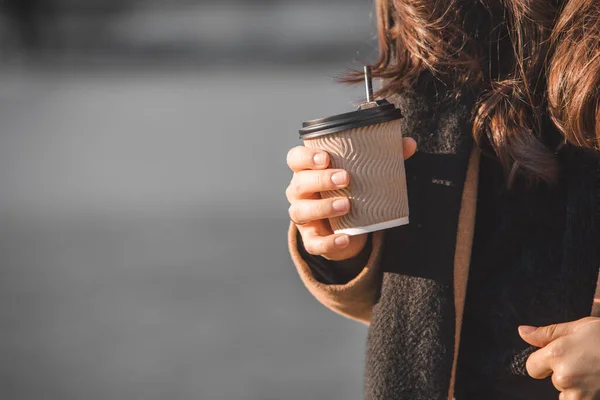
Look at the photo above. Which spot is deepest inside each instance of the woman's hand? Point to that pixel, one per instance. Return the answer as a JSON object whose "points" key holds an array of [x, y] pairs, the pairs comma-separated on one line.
{"points": [[311, 213], [569, 352]]}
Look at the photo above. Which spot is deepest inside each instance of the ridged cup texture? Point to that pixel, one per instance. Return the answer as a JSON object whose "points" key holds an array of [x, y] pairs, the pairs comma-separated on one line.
{"points": [[373, 156]]}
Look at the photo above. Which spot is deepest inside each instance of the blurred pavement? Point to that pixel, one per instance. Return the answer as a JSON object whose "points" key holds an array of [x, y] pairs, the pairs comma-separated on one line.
{"points": [[143, 219], [142, 236]]}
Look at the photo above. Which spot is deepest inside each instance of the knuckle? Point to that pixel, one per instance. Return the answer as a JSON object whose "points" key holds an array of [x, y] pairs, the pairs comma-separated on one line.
{"points": [[289, 192], [296, 186], [292, 211], [297, 215], [312, 247], [308, 247], [321, 209], [551, 330], [289, 158], [322, 246], [556, 349], [306, 156], [529, 366], [562, 380], [319, 246], [292, 155], [562, 377], [319, 180]]}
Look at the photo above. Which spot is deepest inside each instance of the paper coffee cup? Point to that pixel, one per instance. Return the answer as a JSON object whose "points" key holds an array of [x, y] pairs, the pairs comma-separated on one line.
{"points": [[368, 144]]}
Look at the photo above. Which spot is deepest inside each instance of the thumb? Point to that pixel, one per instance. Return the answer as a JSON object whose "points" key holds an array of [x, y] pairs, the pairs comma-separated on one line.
{"points": [[409, 146], [542, 336]]}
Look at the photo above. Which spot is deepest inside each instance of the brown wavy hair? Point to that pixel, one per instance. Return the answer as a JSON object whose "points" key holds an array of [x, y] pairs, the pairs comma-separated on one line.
{"points": [[531, 60]]}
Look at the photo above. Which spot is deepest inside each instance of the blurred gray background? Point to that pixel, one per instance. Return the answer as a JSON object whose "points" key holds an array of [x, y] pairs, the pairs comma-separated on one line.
{"points": [[142, 210]]}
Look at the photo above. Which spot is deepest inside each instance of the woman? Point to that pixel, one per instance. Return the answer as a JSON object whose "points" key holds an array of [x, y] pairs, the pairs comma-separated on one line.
{"points": [[502, 98]]}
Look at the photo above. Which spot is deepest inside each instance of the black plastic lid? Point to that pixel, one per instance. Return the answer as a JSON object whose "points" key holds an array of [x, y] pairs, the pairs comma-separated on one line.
{"points": [[383, 111]]}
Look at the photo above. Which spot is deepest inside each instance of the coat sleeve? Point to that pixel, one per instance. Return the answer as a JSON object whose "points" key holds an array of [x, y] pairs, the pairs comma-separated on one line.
{"points": [[355, 299]]}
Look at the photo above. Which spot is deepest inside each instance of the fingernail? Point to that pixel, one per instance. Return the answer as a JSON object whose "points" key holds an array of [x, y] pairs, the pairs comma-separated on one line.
{"points": [[339, 178], [527, 330], [342, 241], [319, 159], [340, 205]]}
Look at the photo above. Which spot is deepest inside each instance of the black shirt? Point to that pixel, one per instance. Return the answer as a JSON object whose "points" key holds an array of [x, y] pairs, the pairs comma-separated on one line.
{"points": [[505, 290]]}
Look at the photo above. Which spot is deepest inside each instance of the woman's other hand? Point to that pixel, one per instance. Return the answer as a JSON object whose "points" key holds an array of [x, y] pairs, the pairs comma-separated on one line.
{"points": [[570, 352], [310, 212]]}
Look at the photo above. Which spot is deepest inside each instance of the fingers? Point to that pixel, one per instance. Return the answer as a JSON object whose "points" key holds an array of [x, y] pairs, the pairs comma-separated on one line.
{"points": [[304, 211], [544, 335], [302, 158], [547, 361], [323, 245], [305, 184], [539, 364], [410, 147], [575, 395], [319, 239]]}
